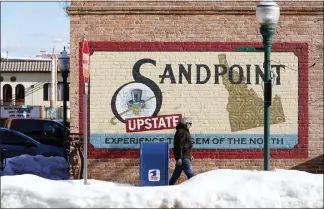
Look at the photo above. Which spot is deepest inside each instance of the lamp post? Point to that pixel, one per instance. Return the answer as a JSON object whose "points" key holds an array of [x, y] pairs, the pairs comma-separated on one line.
{"points": [[64, 66], [267, 14]]}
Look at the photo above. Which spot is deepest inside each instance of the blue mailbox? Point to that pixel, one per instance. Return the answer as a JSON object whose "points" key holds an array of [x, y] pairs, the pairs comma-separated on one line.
{"points": [[154, 164]]}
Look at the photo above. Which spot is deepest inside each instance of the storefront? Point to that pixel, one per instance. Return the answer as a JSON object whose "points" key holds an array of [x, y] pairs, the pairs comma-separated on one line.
{"points": [[153, 63]]}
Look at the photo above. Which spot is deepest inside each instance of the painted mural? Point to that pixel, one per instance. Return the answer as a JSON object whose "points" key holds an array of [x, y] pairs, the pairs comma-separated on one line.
{"points": [[140, 96]]}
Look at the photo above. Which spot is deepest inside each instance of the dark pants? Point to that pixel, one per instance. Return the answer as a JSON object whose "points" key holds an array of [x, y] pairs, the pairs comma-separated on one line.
{"points": [[186, 167]]}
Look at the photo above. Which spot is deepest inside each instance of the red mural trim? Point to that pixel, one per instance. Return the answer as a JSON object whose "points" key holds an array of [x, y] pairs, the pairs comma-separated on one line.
{"points": [[300, 50]]}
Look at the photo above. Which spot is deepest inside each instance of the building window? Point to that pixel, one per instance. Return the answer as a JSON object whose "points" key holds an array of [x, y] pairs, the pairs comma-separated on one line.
{"points": [[59, 92], [46, 91], [7, 93], [20, 94]]}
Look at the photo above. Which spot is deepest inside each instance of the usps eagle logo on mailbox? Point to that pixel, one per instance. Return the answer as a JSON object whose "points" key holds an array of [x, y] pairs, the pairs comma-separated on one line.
{"points": [[154, 175]]}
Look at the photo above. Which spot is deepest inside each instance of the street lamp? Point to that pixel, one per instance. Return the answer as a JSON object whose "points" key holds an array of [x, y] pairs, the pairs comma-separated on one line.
{"points": [[64, 66], [267, 14]]}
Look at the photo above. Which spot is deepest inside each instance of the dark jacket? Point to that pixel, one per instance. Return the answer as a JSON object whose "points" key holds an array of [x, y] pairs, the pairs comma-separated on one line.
{"points": [[182, 142]]}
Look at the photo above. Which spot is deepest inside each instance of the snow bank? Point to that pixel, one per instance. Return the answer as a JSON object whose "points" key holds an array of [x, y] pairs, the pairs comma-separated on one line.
{"points": [[214, 189], [54, 168]]}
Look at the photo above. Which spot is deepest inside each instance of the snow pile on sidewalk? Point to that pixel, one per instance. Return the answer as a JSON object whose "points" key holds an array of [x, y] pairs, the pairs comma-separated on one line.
{"points": [[214, 189], [54, 168]]}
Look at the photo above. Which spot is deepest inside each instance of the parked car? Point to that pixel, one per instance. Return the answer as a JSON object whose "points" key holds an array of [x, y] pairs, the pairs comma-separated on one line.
{"points": [[15, 144], [42, 130], [61, 122]]}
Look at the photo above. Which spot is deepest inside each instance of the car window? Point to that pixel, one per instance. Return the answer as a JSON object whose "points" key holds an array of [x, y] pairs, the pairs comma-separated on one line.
{"points": [[28, 126], [11, 138], [52, 129]]}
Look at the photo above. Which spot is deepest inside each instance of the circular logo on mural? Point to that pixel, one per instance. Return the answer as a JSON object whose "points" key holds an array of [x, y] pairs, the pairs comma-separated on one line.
{"points": [[133, 100], [138, 99]]}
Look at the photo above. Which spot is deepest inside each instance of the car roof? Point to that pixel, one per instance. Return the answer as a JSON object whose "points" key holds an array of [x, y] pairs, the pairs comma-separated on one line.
{"points": [[19, 118], [35, 119], [61, 120], [18, 133], [4, 129]]}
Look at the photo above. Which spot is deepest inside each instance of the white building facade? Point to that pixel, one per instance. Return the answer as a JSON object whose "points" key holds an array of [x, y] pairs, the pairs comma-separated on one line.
{"points": [[28, 83]]}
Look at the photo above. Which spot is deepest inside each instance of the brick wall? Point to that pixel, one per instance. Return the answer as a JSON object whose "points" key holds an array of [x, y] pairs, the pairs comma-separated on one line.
{"points": [[197, 22]]}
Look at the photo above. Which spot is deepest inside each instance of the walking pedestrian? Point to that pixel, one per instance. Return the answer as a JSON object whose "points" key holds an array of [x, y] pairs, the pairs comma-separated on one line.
{"points": [[182, 150]]}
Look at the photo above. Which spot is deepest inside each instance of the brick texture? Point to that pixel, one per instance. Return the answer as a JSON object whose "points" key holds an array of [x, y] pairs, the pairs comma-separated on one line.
{"points": [[199, 22]]}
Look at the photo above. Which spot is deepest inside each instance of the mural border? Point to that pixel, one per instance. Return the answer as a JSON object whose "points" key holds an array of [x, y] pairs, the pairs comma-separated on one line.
{"points": [[300, 49]]}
